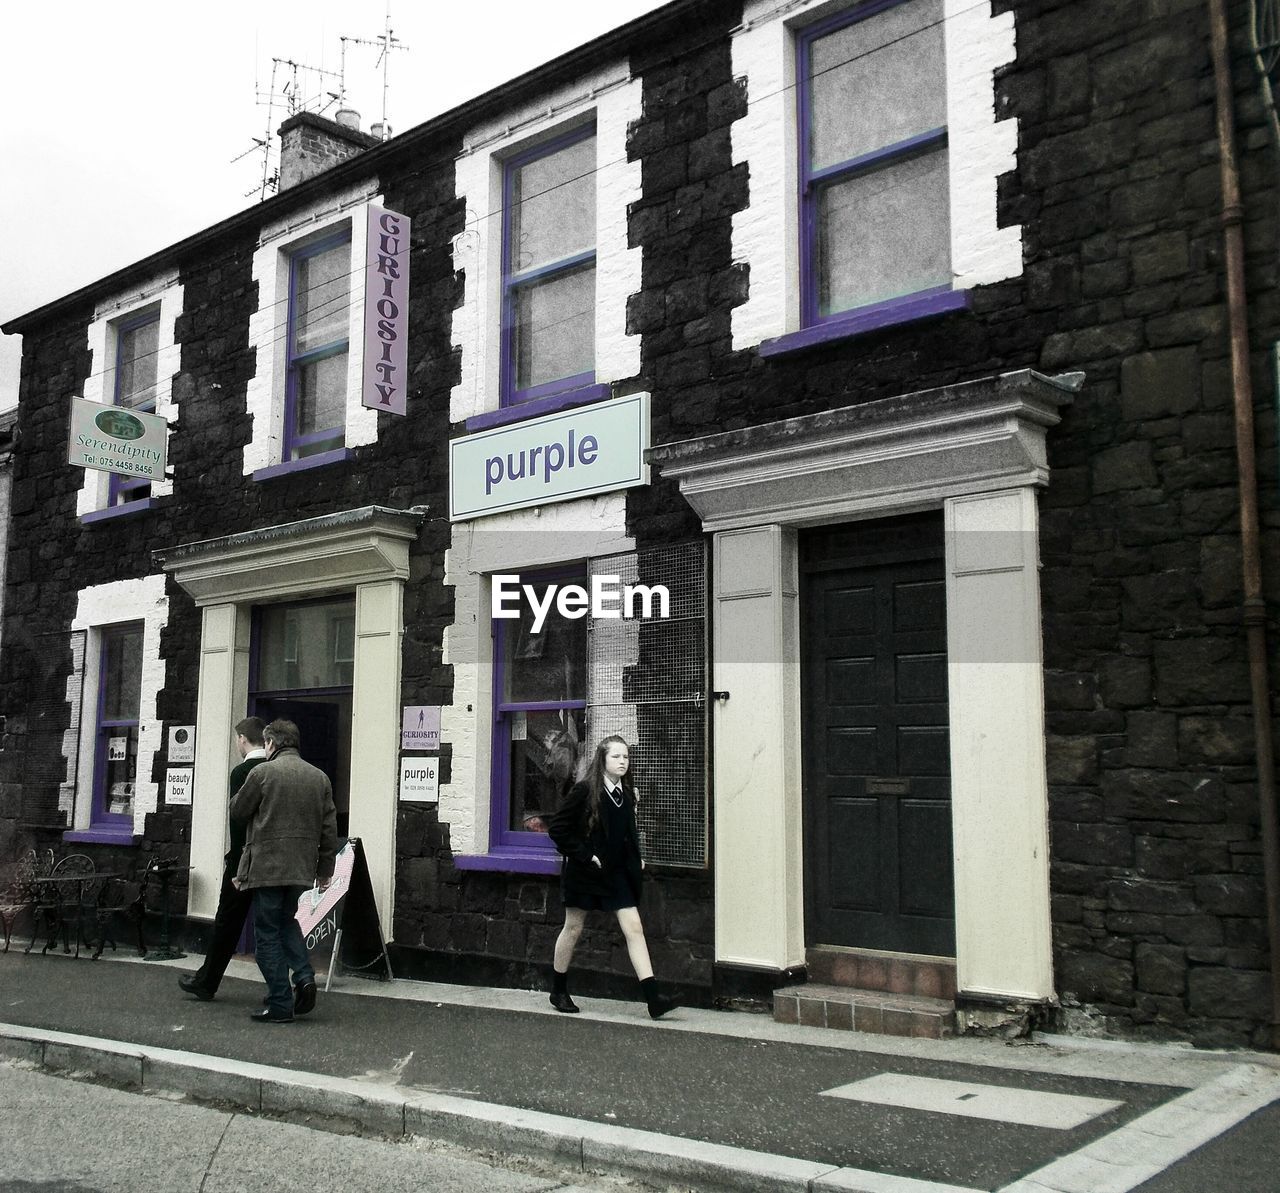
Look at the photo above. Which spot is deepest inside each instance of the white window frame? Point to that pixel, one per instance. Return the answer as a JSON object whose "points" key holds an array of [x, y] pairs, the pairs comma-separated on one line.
{"points": [[164, 296], [99, 607], [614, 100], [766, 234], [269, 327]]}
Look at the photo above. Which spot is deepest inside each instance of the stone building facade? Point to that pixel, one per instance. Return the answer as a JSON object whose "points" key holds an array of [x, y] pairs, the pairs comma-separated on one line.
{"points": [[1037, 442]]}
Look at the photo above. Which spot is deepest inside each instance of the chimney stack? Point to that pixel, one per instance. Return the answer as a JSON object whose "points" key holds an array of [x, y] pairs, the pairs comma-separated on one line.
{"points": [[310, 144]]}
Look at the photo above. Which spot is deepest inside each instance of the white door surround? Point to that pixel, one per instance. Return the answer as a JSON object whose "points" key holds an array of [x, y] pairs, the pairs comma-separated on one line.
{"points": [[977, 451], [363, 551]]}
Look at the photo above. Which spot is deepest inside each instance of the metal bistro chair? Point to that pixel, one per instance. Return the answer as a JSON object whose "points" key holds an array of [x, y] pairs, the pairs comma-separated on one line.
{"points": [[41, 866], [59, 901], [17, 894], [117, 897]]}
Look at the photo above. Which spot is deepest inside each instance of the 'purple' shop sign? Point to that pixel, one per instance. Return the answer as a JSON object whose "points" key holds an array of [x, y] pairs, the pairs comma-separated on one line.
{"points": [[386, 311]]}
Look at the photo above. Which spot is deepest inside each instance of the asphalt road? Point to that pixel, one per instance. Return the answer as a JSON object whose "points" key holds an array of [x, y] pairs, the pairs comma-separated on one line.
{"points": [[760, 1094]]}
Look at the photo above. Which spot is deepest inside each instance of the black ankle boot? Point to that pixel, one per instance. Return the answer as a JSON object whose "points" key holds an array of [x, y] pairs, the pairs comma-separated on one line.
{"points": [[560, 994], [658, 1006]]}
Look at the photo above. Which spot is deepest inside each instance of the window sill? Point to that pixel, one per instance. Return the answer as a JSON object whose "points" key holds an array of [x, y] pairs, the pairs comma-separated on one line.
{"points": [[885, 314], [118, 511], [101, 835], [511, 861], [320, 460], [547, 405]]}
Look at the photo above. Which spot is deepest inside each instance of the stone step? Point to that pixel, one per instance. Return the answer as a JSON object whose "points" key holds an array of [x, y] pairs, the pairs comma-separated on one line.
{"points": [[894, 973], [877, 1011]]}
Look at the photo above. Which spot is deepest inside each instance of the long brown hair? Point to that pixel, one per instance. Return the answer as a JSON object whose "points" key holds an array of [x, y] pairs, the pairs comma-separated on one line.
{"points": [[595, 779]]}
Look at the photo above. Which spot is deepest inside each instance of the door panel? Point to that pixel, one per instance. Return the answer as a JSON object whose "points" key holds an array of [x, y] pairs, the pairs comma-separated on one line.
{"points": [[877, 755]]}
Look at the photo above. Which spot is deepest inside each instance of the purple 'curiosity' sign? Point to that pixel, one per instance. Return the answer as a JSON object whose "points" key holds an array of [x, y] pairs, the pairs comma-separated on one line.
{"points": [[386, 311]]}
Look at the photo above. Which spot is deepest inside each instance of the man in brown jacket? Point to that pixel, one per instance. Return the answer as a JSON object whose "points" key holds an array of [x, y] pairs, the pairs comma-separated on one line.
{"points": [[290, 843]]}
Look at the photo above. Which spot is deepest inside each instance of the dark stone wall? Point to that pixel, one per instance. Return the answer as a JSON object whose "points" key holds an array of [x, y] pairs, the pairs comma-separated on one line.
{"points": [[1158, 908], [1159, 914]]}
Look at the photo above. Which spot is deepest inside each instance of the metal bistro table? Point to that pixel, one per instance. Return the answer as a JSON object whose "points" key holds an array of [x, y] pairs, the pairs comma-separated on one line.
{"points": [[165, 871], [51, 900]]}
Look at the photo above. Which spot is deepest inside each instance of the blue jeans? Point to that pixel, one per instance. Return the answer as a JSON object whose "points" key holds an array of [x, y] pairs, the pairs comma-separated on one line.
{"points": [[280, 947]]}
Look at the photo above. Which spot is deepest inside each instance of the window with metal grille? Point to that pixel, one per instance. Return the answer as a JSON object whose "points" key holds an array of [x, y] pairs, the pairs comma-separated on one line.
{"points": [[647, 680], [576, 680]]}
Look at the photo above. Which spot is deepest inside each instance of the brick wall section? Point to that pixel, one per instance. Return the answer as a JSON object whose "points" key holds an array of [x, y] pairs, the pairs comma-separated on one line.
{"points": [[310, 144]]}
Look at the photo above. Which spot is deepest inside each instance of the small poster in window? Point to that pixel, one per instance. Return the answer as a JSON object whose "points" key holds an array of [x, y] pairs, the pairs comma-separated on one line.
{"points": [[120, 799], [179, 781], [519, 726], [117, 749], [182, 743]]}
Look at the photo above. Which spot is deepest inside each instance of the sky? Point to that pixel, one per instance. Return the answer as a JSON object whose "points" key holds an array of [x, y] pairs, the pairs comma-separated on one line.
{"points": [[126, 118]]}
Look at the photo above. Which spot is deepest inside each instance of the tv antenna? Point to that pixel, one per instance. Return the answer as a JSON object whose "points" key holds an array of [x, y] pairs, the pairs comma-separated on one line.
{"points": [[297, 87], [386, 41]]}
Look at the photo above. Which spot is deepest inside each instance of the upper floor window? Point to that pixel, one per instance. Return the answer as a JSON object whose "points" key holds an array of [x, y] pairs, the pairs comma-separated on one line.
{"points": [[549, 269], [137, 349], [319, 319], [874, 205]]}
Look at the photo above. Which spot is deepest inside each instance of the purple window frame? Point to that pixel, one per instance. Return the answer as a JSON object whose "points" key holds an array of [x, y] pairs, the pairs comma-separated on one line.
{"points": [[129, 490], [510, 395], [256, 691], [99, 818], [504, 840], [812, 181], [293, 441]]}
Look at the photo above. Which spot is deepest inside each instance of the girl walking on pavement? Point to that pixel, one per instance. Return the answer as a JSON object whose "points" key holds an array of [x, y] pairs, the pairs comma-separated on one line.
{"points": [[596, 832]]}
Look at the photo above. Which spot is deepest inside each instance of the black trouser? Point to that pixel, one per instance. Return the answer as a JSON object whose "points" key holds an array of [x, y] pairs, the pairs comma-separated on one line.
{"points": [[228, 924]]}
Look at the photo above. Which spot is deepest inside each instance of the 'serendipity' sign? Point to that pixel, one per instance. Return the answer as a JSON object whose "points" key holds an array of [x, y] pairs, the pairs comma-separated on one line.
{"points": [[572, 453], [113, 439]]}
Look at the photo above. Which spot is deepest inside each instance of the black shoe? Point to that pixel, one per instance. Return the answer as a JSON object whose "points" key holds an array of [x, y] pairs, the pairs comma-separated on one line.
{"points": [[267, 1015], [192, 985], [304, 998], [660, 1006], [562, 1002]]}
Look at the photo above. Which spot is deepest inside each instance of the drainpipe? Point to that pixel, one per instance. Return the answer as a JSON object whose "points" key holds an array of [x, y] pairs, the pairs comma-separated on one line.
{"points": [[1254, 607]]}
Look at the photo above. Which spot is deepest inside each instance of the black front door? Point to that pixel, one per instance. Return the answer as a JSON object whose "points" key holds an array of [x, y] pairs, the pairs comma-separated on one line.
{"points": [[877, 790]]}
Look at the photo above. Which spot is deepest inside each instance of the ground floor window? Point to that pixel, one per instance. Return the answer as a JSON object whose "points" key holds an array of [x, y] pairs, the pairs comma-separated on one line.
{"points": [[302, 667], [539, 722], [115, 767], [567, 675]]}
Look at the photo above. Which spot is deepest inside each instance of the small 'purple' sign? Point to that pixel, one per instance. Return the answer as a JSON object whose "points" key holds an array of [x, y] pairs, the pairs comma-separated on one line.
{"points": [[386, 312]]}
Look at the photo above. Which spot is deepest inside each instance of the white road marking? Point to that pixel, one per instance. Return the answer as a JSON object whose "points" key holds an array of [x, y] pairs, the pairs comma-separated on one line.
{"points": [[1131, 1155], [1000, 1103]]}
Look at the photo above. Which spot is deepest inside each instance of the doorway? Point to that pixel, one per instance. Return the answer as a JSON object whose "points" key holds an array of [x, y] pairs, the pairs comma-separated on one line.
{"points": [[876, 772], [302, 669]]}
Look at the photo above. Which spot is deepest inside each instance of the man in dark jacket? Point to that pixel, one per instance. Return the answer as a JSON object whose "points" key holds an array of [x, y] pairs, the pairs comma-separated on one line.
{"points": [[290, 843], [233, 905]]}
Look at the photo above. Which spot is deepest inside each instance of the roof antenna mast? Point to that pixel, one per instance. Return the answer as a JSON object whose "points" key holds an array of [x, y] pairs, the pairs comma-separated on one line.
{"points": [[386, 41]]}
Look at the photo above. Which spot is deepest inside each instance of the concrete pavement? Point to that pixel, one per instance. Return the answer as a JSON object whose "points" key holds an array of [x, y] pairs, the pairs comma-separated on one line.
{"points": [[80, 1137], [702, 1099]]}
